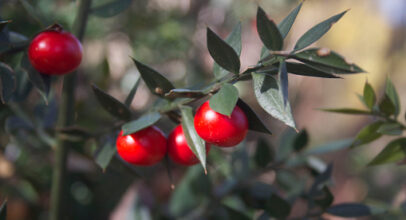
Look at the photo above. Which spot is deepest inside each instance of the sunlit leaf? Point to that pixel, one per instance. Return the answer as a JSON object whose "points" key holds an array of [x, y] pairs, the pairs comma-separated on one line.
{"points": [[141, 123], [224, 100], [392, 94], [368, 134], [268, 31], [350, 111], [393, 152], [317, 31], [390, 129], [369, 96]]}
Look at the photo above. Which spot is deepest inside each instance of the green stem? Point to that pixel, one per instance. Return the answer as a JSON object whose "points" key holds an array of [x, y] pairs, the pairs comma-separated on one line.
{"points": [[66, 118]]}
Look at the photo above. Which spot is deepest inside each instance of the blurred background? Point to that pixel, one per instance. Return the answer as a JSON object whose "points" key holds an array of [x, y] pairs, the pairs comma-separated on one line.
{"points": [[170, 36]]}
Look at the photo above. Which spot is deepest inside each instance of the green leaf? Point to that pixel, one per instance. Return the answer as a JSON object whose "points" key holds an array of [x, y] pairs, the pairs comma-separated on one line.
{"points": [[223, 54], [3, 211], [156, 82], [392, 94], [224, 100], [74, 133], [277, 207], [3, 24], [321, 181], [317, 31], [329, 147], [112, 105], [141, 123], [349, 210], [35, 14], [350, 111], [131, 95], [286, 23], [40, 81], [7, 82], [327, 61], [235, 214], [368, 134], [301, 141], [324, 198], [111, 8], [105, 155], [264, 52], [307, 70], [185, 93], [391, 129], [255, 123], [393, 152], [386, 106], [269, 96], [193, 140], [234, 40], [264, 153], [283, 78], [369, 96], [268, 31]]}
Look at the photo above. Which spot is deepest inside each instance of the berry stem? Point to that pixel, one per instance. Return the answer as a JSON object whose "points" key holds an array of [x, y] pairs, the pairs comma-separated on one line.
{"points": [[65, 119]]}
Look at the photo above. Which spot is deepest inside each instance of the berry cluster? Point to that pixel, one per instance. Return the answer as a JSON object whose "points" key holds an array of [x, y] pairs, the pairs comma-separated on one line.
{"points": [[149, 146]]}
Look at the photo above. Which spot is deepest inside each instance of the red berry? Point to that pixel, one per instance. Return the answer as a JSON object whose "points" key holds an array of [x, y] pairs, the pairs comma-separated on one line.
{"points": [[179, 150], [55, 52], [144, 147], [219, 129]]}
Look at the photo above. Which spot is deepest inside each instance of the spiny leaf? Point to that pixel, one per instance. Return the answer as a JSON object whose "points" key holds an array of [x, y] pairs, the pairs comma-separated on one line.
{"points": [[141, 123], [317, 32], [328, 61], [307, 70], [234, 40], [223, 54], [112, 105], [193, 140], [268, 93], [393, 152], [286, 23], [111, 8], [254, 122], [369, 96], [268, 31], [224, 100], [156, 82], [368, 134], [131, 95], [350, 111], [392, 94]]}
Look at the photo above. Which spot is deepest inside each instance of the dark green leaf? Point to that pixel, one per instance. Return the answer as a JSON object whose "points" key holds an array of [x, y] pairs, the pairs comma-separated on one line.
{"points": [[386, 106], [368, 134], [234, 40], [403, 207], [317, 31], [105, 154], [329, 147], [112, 105], [285, 147], [270, 98], [254, 123], [264, 153], [74, 133], [369, 96], [324, 198], [35, 14], [156, 82], [235, 214], [7, 82], [195, 143], [392, 94], [40, 81], [307, 70], [277, 207], [111, 8], [141, 123], [327, 61], [185, 93], [390, 129], [349, 210], [321, 181], [223, 54], [393, 152], [224, 100], [3, 211], [268, 31], [301, 141], [131, 95], [3, 24], [264, 52], [286, 23], [283, 78], [350, 111]]}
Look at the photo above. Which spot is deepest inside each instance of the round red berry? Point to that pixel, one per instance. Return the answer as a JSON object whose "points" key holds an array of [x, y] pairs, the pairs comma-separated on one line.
{"points": [[179, 150], [219, 129], [144, 147], [55, 52]]}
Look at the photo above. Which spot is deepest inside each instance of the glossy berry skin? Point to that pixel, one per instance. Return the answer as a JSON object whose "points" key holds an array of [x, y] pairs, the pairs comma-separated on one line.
{"points": [[55, 52], [219, 129], [143, 148], [179, 150]]}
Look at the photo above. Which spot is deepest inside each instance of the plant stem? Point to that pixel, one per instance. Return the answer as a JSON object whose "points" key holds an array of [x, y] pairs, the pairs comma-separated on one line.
{"points": [[66, 118]]}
